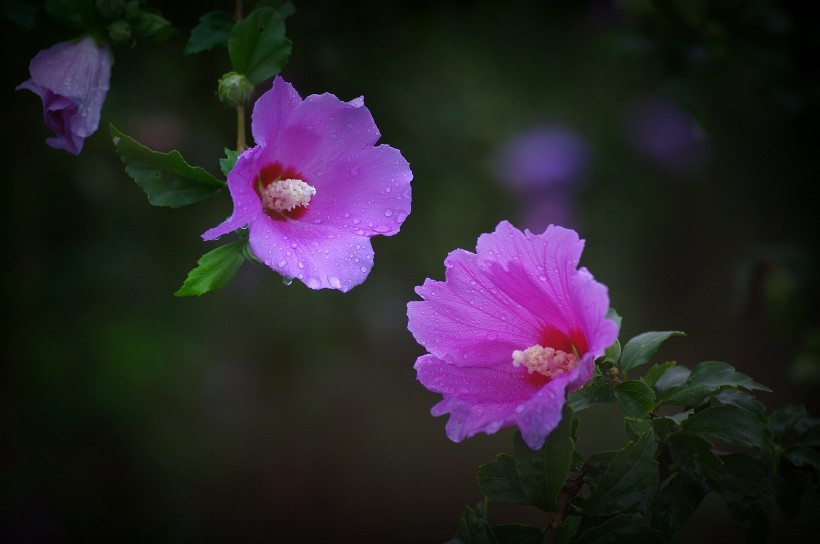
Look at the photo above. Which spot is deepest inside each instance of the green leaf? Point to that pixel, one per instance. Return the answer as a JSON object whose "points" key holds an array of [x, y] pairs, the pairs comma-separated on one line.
{"points": [[693, 455], [214, 269], [499, 481], [567, 530], [673, 377], [542, 473], [150, 25], [258, 46], [637, 426], [675, 503], [596, 466], [19, 12], [635, 397], [613, 352], [624, 528], [227, 164], [75, 13], [630, 481], [741, 399], [656, 372], [640, 349], [749, 495], [803, 456], [213, 30], [780, 421], [613, 316], [513, 533], [706, 379], [594, 392], [165, 177], [730, 424], [662, 426], [473, 527]]}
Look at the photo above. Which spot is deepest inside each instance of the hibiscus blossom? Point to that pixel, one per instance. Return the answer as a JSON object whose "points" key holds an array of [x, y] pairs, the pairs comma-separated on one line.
{"points": [[72, 79], [511, 330], [315, 188]]}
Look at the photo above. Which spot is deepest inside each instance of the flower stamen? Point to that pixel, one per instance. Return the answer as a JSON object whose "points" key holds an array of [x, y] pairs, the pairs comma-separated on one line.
{"points": [[286, 194], [546, 361]]}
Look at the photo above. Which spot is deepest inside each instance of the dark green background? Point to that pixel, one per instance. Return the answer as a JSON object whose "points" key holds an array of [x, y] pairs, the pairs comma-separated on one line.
{"points": [[273, 413]]}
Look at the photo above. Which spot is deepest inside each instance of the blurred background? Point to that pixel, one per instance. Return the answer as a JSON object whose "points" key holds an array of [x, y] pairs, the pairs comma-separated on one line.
{"points": [[679, 137]]}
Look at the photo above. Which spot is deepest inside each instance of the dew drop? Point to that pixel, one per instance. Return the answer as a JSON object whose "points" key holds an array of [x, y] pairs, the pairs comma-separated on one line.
{"points": [[388, 212], [542, 277], [363, 269], [356, 221], [282, 264], [334, 282], [286, 280]]}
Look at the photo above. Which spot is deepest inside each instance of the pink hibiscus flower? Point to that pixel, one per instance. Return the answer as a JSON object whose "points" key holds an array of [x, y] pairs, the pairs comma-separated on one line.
{"points": [[510, 331], [72, 79], [315, 188]]}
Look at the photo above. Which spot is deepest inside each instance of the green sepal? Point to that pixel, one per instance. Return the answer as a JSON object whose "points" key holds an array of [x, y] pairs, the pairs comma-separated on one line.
{"points": [[499, 481], [165, 177], [258, 47], [227, 164], [706, 379], [630, 480], [213, 30], [214, 269], [640, 349], [634, 397], [542, 473]]}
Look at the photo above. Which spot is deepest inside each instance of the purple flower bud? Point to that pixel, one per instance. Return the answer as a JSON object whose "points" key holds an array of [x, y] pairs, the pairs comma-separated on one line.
{"points": [[71, 78]]}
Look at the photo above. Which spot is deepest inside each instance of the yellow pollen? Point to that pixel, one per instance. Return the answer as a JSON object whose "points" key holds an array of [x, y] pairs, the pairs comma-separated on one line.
{"points": [[549, 362], [286, 194]]}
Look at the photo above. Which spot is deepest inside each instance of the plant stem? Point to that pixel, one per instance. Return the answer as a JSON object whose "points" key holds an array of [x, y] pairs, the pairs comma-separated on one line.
{"points": [[241, 142]]}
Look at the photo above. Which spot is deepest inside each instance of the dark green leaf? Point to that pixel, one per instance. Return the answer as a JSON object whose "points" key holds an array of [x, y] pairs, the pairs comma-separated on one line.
{"points": [[518, 534], [730, 424], [780, 421], [630, 481], [747, 477], [213, 30], [258, 46], [637, 426], [693, 455], [620, 529], [673, 377], [542, 473], [741, 399], [566, 531], [706, 379], [613, 352], [803, 456], [675, 503], [808, 430], [656, 372], [284, 7], [214, 269], [662, 426], [640, 349], [165, 177], [19, 12], [75, 13], [596, 466], [499, 481], [635, 397], [592, 393], [227, 164], [473, 527], [150, 25]]}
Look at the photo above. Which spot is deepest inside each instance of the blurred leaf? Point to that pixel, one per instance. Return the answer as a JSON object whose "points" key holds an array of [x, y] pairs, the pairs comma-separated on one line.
{"points": [[624, 528], [518, 534], [706, 379], [803, 456], [284, 7], [673, 377], [473, 527], [596, 466], [227, 164], [542, 473], [79, 14], [594, 392], [662, 426], [258, 46], [214, 269], [675, 503], [640, 349], [730, 424], [637, 426], [693, 455], [165, 177], [566, 531], [150, 25], [630, 481], [499, 481], [748, 494], [19, 12], [656, 372], [635, 397], [213, 30], [613, 352], [613, 316], [780, 421], [741, 399]]}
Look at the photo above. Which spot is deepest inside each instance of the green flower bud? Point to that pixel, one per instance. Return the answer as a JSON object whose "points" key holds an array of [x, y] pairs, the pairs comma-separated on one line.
{"points": [[119, 31], [234, 90]]}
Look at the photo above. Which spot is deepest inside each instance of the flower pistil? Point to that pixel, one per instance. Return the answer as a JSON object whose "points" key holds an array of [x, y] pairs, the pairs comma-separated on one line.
{"points": [[286, 194], [547, 361]]}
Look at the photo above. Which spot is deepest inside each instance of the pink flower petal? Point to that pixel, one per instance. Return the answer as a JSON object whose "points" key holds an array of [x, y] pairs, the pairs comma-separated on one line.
{"points": [[271, 112], [321, 256], [246, 203]]}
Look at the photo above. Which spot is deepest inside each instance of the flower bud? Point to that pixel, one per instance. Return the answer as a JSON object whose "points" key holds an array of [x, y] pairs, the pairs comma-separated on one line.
{"points": [[234, 90]]}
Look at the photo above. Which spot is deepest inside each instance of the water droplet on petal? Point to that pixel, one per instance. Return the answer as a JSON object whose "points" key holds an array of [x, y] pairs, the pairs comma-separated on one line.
{"points": [[286, 280], [388, 212], [282, 264]]}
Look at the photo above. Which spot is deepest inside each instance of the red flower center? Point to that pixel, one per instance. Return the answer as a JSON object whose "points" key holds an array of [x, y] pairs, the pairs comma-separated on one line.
{"points": [[283, 191]]}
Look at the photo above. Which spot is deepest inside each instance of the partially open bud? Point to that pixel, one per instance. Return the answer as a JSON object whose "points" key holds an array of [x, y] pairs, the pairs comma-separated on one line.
{"points": [[234, 90]]}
